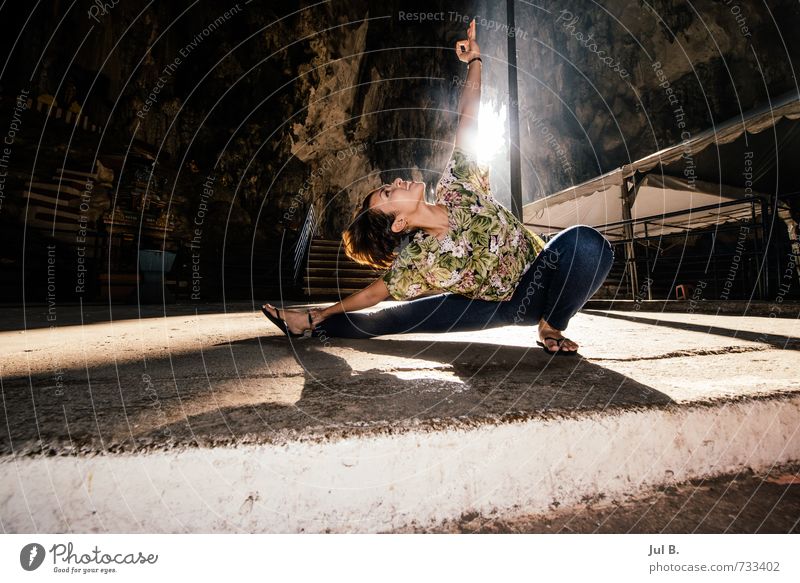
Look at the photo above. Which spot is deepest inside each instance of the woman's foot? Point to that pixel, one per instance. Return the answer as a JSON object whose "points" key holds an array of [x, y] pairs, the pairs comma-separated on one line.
{"points": [[546, 335], [296, 321]]}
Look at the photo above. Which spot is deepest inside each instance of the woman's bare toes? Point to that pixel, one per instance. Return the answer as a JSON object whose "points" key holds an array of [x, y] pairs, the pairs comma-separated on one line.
{"points": [[553, 344], [271, 309], [569, 345], [546, 335]]}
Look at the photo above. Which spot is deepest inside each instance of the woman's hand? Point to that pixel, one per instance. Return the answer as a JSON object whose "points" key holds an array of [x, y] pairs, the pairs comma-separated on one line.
{"points": [[468, 49]]}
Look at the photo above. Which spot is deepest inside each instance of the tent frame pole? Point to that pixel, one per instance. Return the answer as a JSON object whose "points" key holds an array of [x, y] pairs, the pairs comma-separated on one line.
{"points": [[766, 223], [628, 197], [757, 248], [647, 263]]}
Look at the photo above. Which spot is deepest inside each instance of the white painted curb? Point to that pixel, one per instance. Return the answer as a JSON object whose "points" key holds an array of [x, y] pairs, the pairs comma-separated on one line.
{"points": [[380, 482]]}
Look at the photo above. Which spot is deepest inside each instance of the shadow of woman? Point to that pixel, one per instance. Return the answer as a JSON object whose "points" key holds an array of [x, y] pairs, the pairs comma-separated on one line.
{"points": [[385, 383]]}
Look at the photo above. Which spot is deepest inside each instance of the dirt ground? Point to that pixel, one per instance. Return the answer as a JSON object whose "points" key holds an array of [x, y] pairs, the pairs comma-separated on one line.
{"points": [[738, 503]]}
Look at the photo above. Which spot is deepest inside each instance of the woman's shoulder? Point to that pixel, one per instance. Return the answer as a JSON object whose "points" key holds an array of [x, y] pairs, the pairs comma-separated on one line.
{"points": [[408, 254]]}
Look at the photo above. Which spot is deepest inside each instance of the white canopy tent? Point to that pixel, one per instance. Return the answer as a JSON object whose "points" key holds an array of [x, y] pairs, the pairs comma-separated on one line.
{"points": [[630, 202], [613, 198], [663, 205]]}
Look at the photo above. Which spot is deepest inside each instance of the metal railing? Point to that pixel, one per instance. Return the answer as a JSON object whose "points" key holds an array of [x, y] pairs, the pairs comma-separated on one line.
{"points": [[758, 225], [303, 242]]}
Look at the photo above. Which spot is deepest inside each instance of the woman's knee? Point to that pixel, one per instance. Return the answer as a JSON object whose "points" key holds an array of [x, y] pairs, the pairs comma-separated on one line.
{"points": [[591, 242], [587, 233], [585, 241]]}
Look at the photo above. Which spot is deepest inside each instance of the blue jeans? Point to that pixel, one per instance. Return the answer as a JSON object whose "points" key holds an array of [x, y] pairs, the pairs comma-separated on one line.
{"points": [[570, 269]]}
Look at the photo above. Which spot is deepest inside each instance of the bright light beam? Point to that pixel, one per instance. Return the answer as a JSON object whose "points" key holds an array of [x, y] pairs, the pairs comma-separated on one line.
{"points": [[491, 131]]}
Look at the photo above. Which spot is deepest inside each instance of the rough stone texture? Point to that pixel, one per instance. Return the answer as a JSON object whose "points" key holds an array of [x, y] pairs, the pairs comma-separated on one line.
{"points": [[294, 427], [371, 480], [283, 92], [220, 376]]}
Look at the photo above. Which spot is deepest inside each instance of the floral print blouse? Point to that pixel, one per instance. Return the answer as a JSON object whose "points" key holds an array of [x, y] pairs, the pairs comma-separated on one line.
{"points": [[482, 256]]}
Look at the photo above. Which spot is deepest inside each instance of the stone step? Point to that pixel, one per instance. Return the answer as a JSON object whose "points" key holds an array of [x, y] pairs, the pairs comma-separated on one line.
{"points": [[335, 263], [344, 272], [80, 183], [64, 189], [314, 281], [348, 480], [51, 201], [340, 260], [68, 172], [331, 291], [330, 434]]}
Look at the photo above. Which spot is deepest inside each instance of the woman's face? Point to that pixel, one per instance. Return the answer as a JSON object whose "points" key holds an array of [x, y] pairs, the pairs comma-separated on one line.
{"points": [[400, 197]]}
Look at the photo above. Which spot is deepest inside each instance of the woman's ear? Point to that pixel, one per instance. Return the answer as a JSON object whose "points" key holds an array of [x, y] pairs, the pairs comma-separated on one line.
{"points": [[398, 225]]}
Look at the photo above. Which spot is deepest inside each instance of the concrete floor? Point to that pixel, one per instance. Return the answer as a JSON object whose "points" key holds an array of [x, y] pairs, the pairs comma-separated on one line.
{"points": [[740, 503], [214, 376]]}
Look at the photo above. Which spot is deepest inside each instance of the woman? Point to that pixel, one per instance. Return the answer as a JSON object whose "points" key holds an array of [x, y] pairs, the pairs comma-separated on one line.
{"points": [[484, 267]]}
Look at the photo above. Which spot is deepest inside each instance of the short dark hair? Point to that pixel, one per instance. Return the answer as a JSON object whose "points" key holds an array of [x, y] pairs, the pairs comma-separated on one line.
{"points": [[369, 240]]}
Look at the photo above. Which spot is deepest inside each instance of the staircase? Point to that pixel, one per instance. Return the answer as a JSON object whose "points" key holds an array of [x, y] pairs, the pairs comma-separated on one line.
{"points": [[617, 284], [331, 274], [54, 205]]}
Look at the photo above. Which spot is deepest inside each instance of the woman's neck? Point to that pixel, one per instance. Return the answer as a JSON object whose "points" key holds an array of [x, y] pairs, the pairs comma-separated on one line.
{"points": [[431, 218]]}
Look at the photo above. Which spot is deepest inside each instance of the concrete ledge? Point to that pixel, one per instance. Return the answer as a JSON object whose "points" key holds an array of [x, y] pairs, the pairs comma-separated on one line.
{"points": [[212, 421], [783, 309], [403, 476]]}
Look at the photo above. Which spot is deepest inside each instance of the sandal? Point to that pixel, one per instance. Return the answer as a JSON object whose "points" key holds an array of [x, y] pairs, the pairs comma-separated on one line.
{"points": [[284, 327], [557, 352]]}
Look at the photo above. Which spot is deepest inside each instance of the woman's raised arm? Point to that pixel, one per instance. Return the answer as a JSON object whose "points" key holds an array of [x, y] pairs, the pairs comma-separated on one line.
{"points": [[470, 102]]}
